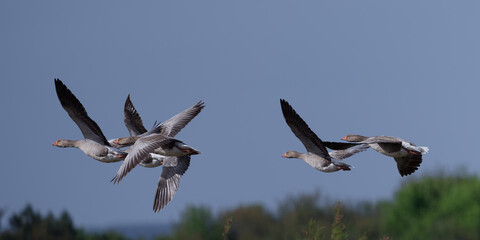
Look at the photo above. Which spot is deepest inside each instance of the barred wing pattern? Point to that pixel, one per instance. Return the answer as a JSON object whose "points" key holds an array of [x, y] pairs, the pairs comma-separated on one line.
{"points": [[172, 171]]}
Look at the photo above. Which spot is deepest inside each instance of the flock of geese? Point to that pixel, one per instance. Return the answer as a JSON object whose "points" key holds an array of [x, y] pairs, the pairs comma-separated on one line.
{"points": [[158, 147]]}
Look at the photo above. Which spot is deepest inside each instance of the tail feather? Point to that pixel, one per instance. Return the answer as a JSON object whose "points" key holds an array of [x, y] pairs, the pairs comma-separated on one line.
{"points": [[424, 149], [342, 165], [345, 167]]}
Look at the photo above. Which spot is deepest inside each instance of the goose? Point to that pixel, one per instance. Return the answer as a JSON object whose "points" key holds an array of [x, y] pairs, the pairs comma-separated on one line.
{"points": [[172, 154], [150, 146], [407, 155], [95, 144], [169, 128], [173, 167], [317, 155]]}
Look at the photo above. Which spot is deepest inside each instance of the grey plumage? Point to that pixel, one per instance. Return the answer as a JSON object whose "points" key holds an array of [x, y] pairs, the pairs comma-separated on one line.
{"points": [[95, 144], [317, 156], [172, 171], [169, 128], [407, 155], [78, 114]]}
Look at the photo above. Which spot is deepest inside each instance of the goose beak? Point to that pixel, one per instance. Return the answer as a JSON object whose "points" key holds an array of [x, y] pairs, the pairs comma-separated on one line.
{"points": [[189, 150], [344, 138], [195, 152], [284, 155]]}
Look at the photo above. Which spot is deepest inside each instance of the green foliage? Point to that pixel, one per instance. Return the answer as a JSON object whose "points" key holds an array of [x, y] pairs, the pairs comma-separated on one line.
{"points": [[314, 232], [197, 223], [363, 220], [436, 207], [431, 207], [296, 212], [339, 230], [254, 222], [251, 222], [31, 225], [226, 227]]}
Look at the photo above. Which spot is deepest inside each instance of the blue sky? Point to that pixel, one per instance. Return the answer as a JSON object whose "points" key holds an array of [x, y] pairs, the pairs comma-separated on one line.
{"points": [[403, 68]]}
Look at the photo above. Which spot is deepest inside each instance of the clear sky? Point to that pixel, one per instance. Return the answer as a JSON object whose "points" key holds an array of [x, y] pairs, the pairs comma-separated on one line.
{"points": [[402, 68]]}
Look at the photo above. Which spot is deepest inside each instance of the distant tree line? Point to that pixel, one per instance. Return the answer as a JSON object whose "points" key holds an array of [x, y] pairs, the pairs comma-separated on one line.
{"points": [[31, 225], [436, 206]]}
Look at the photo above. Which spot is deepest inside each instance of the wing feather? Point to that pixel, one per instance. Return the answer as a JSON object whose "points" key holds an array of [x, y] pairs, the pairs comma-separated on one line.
{"points": [[339, 145], [78, 114], [132, 119], [342, 154], [387, 143], [172, 126], [409, 164], [139, 151], [172, 171], [301, 130]]}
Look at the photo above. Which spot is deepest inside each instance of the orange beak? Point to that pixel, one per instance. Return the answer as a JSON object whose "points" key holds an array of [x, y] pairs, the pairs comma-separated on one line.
{"points": [[115, 141], [344, 138], [54, 144], [284, 155]]}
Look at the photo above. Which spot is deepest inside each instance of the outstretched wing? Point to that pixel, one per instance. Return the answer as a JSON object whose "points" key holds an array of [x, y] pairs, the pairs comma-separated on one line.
{"points": [[156, 128], [132, 119], [172, 126], [339, 145], [390, 147], [172, 171], [301, 130], [342, 154], [77, 113], [387, 143], [409, 164], [139, 151]]}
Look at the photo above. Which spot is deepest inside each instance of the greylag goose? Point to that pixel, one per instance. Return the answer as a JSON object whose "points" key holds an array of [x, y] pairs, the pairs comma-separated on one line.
{"points": [[317, 155], [95, 144], [174, 156], [149, 146], [407, 155], [169, 128], [173, 166], [135, 127]]}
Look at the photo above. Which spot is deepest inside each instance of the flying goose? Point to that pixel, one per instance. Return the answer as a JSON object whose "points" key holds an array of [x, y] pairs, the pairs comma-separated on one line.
{"points": [[317, 155], [169, 128], [407, 155], [95, 144], [150, 145], [172, 154], [141, 152]]}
